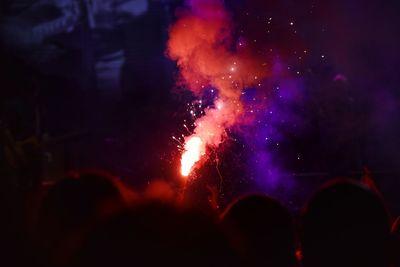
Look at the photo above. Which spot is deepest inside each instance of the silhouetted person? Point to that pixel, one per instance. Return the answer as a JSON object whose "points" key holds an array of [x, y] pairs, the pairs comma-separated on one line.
{"points": [[396, 242], [345, 224], [157, 234], [263, 229], [69, 211]]}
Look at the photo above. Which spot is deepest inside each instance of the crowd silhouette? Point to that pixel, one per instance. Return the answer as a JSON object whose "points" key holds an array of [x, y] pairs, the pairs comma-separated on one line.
{"points": [[93, 219]]}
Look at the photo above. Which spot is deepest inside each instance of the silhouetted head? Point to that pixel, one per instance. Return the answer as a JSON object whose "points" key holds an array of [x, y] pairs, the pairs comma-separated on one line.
{"points": [[396, 242], [264, 230], [71, 207], [345, 224], [157, 234]]}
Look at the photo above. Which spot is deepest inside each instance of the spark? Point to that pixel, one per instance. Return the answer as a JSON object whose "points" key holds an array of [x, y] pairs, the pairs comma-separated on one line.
{"points": [[180, 143], [187, 129]]}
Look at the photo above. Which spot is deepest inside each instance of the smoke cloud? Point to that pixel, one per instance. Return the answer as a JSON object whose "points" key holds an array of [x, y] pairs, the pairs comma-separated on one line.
{"points": [[203, 45]]}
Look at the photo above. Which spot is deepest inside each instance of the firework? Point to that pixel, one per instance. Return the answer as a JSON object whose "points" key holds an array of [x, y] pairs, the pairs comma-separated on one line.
{"points": [[194, 149], [201, 42]]}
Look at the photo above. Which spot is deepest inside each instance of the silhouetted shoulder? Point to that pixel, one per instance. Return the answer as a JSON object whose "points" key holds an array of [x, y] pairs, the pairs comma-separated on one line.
{"points": [[345, 224]]}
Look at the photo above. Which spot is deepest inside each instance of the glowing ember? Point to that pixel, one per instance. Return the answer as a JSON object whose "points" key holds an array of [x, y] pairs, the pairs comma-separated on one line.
{"points": [[209, 132], [194, 149]]}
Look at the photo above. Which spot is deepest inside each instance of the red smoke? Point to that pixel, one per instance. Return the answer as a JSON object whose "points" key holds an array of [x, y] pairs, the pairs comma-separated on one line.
{"points": [[201, 42]]}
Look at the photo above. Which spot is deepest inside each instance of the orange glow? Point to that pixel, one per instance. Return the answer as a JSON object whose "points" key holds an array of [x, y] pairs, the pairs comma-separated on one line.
{"points": [[194, 149]]}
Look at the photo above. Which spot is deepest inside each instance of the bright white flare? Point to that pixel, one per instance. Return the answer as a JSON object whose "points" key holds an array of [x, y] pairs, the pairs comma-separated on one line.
{"points": [[194, 149], [209, 132]]}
